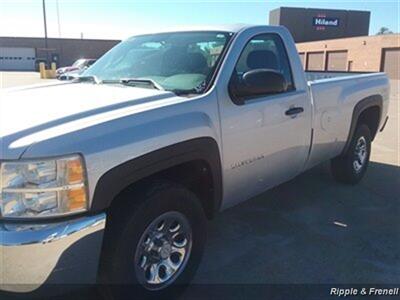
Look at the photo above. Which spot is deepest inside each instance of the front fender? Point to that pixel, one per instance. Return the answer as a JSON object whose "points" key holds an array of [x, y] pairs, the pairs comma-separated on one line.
{"points": [[129, 172]]}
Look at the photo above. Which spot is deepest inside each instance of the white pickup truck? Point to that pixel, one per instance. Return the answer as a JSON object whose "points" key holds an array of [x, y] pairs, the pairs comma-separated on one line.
{"points": [[110, 178]]}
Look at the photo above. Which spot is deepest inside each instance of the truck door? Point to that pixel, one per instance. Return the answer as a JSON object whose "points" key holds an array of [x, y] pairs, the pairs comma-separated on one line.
{"points": [[266, 139]]}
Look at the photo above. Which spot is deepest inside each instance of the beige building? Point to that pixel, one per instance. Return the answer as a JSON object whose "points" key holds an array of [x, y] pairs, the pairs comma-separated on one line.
{"points": [[358, 54]]}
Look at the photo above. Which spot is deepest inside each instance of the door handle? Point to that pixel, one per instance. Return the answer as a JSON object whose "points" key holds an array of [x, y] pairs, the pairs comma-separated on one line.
{"points": [[294, 111]]}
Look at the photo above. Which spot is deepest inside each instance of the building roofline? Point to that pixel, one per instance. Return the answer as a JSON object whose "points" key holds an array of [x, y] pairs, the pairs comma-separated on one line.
{"points": [[56, 38], [319, 8], [351, 37]]}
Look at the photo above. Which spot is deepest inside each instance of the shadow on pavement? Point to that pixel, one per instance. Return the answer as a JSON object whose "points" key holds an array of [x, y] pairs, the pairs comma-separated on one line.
{"points": [[310, 230]]}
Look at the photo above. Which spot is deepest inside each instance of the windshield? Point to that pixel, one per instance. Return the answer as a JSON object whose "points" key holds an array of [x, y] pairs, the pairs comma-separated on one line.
{"points": [[78, 63], [179, 61]]}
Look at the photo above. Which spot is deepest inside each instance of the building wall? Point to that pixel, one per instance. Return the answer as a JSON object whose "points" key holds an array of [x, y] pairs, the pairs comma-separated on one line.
{"points": [[68, 50], [364, 54], [301, 23]]}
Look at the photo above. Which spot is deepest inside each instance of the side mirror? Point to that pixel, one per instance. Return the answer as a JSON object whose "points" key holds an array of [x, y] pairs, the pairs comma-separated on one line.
{"points": [[256, 83]]}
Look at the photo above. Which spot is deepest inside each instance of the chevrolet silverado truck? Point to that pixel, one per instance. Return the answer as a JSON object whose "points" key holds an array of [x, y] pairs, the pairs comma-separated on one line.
{"points": [[111, 177]]}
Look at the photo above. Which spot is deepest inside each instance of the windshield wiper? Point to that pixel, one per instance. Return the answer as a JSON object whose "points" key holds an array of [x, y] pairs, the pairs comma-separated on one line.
{"points": [[181, 92], [141, 82], [89, 78]]}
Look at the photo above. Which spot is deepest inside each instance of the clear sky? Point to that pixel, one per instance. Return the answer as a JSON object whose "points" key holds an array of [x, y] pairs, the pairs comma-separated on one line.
{"points": [[118, 19]]}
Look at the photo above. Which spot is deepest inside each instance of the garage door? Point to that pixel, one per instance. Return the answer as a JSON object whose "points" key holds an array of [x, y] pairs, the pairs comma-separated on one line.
{"points": [[315, 61], [391, 62], [13, 59], [337, 61]]}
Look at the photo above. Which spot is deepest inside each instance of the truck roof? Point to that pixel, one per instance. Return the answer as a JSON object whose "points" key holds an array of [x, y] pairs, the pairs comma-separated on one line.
{"points": [[223, 28]]}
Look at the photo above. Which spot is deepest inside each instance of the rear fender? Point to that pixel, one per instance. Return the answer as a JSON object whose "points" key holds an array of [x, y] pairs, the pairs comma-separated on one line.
{"points": [[374, 100]]}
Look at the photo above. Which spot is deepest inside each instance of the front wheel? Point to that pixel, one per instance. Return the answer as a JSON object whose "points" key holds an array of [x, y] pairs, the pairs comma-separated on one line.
{"points": [[153, 248], [351, 167], [163, 250]]}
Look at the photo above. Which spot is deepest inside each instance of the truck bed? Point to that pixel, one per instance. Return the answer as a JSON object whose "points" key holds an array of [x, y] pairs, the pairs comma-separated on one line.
{"points": [[334, 96], [317, 75]]}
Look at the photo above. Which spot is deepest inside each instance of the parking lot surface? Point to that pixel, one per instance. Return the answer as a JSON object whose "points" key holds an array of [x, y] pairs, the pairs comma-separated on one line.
{"points": [[13, 79], [311, 230]]}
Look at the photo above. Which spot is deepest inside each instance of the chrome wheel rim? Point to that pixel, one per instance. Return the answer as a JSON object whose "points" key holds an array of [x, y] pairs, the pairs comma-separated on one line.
{"points": [[163, 250], [360, 154]]}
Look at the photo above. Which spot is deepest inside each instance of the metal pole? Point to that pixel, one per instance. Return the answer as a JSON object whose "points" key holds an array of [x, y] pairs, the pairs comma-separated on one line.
{"points": [[58, 19], [45, 31]]}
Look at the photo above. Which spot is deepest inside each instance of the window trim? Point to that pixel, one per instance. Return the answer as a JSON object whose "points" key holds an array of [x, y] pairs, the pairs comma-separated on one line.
{"points": [[219, 62], [293, 89]]}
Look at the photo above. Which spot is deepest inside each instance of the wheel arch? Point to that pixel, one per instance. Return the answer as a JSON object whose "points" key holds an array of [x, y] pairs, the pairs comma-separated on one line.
{"points": [[368, 110], [202, 153]]}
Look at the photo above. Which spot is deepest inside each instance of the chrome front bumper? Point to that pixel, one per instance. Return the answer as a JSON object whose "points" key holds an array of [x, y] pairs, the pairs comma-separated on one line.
{"points": [[67, 252]]}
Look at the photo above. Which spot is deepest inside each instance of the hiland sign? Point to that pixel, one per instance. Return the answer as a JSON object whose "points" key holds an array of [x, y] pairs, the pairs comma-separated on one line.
{"points": [[323, 21]]}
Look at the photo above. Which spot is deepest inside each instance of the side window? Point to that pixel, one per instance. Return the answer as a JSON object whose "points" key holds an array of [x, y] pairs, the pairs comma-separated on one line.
{"points": [[265, 51]]}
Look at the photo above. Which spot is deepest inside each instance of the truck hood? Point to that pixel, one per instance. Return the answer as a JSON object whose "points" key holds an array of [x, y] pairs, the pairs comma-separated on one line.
{"points": [[29, 110]]}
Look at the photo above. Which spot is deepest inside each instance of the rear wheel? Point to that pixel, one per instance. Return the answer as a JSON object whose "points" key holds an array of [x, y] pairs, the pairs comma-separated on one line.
{"points": [[351, 167], [154, 247]]}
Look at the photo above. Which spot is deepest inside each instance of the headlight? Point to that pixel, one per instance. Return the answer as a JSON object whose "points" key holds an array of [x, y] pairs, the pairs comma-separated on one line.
{"points": [[42, 188]]}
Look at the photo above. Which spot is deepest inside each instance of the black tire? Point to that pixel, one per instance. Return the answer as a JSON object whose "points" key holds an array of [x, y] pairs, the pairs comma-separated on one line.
{"points": [[346, 168], [126, 224]]}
